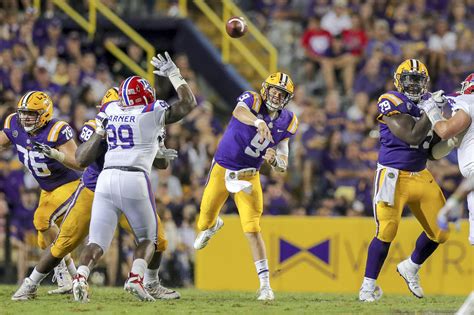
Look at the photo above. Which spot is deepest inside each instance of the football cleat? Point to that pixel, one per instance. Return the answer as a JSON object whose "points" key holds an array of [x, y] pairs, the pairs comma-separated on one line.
{"points": [[411, 277], [468, 306], [265, 294], [134, 285], [367, 294], [204, 236], [156, 290], [62, 276], [80, 288], [26, 291]]}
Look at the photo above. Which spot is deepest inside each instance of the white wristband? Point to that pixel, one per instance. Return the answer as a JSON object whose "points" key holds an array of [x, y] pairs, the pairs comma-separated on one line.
{"points": [[100, 131], [57, 155], [177, 80], [257, 122], [279, 164], [434, 115]]}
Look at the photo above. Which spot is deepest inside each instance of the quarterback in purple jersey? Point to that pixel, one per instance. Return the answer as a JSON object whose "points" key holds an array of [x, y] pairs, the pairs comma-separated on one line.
{"points": [[402, 179], [46, 147], [260, 129]]}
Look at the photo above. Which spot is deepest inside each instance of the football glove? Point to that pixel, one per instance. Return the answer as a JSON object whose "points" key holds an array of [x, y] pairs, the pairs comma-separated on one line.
{"points": [[431, 108], [164, 67], [101, 121], [48, 151], [168, 154]]}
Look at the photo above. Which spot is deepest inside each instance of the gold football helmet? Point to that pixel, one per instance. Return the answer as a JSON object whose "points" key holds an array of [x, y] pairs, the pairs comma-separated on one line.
{"points": [[282, 82], [35, 110], [411, 79], [110, 96]]}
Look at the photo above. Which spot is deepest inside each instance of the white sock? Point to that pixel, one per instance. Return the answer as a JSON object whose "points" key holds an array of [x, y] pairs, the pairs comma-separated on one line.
{"points": [[151, 275], [71, 267], [263, 272], [37, 277], [139, 266], [368, 283], [84, 271]]}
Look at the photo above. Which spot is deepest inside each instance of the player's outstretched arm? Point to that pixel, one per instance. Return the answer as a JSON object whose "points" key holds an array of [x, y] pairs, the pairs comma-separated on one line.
{"points": [[184, 105], [408, 130], [4, 141], [454, 126], [186, 102], [245, 116]]}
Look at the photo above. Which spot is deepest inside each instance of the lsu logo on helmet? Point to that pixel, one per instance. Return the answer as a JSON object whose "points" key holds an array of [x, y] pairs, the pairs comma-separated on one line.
{"points": [[35, 110], [110, 96], [411, 78], [281, 81]]}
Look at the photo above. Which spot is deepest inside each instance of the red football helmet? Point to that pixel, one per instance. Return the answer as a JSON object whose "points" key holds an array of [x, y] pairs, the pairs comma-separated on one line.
{"points": [[467, 86], [135, 91]]}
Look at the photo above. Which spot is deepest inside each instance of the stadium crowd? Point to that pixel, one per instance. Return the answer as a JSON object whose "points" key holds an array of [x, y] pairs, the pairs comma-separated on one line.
{"points": [[345, 52]]}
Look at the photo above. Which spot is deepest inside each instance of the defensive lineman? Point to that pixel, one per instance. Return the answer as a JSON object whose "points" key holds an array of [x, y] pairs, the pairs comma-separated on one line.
{"points": [[123, 186]]}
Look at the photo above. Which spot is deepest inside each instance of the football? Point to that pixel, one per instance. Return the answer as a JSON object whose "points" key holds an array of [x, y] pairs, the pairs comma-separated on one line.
{"points": [[236, 27]]}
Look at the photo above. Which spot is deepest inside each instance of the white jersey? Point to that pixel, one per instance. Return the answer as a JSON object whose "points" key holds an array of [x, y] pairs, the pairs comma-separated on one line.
{"points": [[132, 134], [465, 102]]}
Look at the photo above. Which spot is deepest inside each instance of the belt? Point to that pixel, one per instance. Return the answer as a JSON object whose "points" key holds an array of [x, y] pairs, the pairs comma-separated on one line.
{"points": [[246, 172], [125, 168]]}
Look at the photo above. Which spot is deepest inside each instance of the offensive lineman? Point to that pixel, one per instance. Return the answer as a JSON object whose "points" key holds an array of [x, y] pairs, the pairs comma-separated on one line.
{"points": [[46, 147], [402, 179], [133, 125]]}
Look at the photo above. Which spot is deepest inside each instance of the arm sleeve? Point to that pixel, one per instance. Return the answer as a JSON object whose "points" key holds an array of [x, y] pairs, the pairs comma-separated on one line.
{"points": [[283, 147]]}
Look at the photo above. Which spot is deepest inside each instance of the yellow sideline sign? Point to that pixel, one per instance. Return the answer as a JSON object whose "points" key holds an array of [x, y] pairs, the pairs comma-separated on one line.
{"points": [[316, 254]]}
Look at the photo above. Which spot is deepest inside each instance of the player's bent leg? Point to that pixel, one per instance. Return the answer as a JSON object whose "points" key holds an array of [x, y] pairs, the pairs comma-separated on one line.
{"points": [[204, 236], [151, 278]]}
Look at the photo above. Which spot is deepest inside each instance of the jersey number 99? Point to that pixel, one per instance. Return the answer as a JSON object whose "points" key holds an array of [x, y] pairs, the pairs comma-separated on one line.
{"points": [[120, 137]]}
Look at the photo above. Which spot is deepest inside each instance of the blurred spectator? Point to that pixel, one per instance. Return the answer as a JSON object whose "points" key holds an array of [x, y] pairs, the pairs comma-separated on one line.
{"points": [[440, 43], [384, 47], [337, 19], [370, 79]]}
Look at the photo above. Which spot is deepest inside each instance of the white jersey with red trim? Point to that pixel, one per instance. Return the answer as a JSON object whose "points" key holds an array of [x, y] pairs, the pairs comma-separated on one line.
{"points": [[132, 134]]}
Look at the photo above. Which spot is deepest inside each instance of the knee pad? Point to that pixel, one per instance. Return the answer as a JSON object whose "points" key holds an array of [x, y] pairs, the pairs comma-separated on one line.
{"points": [[387, 230], [41, 221]]}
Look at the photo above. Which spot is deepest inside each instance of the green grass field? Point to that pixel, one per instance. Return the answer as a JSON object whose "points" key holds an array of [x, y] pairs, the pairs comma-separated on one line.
{"points": [[117, 301]]}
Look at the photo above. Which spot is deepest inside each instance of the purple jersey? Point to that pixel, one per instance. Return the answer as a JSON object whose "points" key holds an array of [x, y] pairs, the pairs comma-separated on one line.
{"points": [[89, 178], [49, 173], [393, 151], [240, 147]]}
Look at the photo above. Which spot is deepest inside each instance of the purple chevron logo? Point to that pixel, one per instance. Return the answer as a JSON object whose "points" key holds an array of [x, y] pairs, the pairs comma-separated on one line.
{"points": [[319, 250]]}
